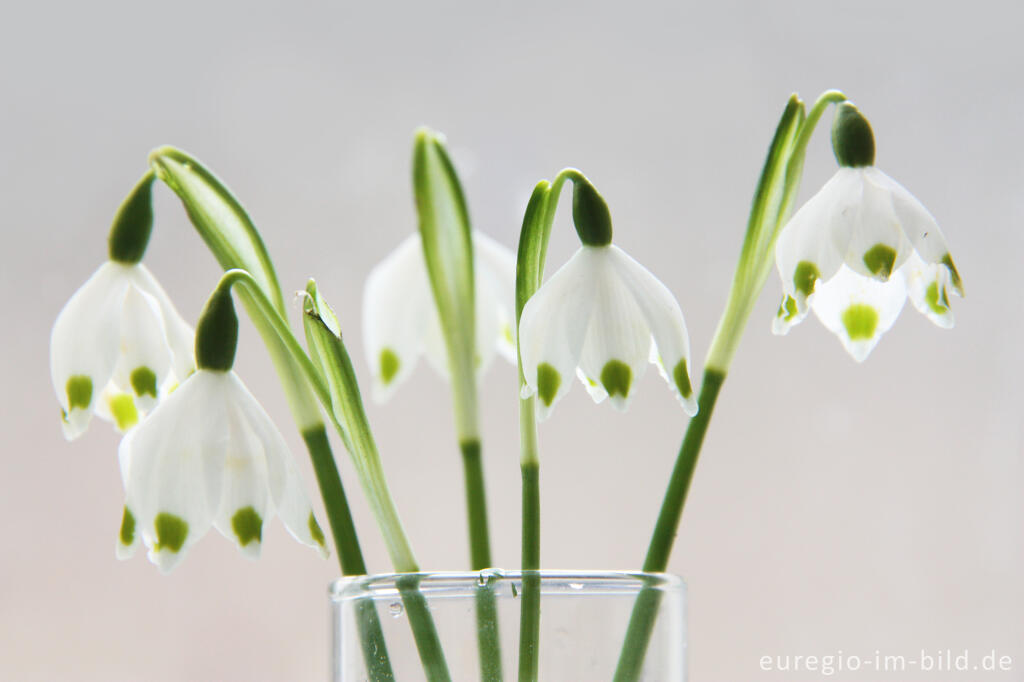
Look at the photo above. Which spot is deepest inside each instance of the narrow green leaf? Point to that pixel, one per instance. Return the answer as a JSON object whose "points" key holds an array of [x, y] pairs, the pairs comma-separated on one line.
{"points": [[219, 217], [447, 247], [328, 352]]}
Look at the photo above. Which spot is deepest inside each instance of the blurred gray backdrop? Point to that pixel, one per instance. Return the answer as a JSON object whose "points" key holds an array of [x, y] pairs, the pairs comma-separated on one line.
{"points": [[837, 506]]}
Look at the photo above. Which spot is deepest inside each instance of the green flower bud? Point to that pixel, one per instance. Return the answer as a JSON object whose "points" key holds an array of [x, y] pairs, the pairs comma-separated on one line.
{"points": [[852, 140], [217, 332], [590, 214], [129, 235]]}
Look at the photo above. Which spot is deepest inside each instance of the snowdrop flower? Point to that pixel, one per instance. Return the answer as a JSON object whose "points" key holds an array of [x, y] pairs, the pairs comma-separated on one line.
{"points": [[118, 345], [209, 455], [859, 247], [400, 320], [602, 316]]}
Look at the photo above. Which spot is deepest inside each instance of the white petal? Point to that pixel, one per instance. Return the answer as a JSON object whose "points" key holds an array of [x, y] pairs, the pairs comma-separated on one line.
{"points": [[877, 246], [180, 336], [84, 343], [552, 329], [664, 318], [920, 227], [495, 268], [811, 246], [145, 354], [245, 501], [859, 309], [173, 466], [397, 302], [282, 479], [618, 340], [928, 287]]}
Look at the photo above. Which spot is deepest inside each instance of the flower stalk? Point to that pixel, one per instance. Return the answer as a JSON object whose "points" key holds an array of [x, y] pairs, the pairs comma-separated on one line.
{"points": [[773, 200]]}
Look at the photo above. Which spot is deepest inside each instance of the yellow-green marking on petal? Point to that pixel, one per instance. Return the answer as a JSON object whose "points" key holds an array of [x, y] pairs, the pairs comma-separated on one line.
{"points": [[79, 389], [682, 378], [861, 321], [805, 277], [127, 527], [879, 259], [144, 381], [936, 299], [788, 309], [389, 364], [548, 381], [616, 377], [171, 532], [315, 530], [947, 260], [123, 409], [248, 525]]}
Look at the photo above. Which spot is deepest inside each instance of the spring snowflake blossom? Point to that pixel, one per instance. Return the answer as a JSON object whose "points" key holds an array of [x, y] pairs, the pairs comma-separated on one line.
{"points": [[117, 347], [857, 249], [400, 320], [209, 455], [601, 316]]}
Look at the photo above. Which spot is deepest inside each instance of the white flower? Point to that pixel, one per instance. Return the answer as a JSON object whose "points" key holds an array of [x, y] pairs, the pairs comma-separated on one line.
{"points": [[209, 455], [400, 319], [603, 316], [117, 346], [853, 254]]}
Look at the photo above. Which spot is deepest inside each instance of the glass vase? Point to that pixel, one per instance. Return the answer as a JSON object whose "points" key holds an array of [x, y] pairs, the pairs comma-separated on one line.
{"points": [[549, 626]]}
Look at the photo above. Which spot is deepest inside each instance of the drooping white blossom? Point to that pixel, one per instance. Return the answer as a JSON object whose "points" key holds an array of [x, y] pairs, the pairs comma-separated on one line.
{"points": [[209, 455], [400, 320], [855, 251], [602, 316], [117, 347]]}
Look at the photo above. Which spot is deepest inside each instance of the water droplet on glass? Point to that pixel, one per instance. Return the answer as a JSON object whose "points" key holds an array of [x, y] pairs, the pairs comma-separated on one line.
{"points": [[395, 609], [576, 586]]}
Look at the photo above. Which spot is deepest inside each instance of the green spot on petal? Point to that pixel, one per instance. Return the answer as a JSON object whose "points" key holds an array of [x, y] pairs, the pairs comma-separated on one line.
{"points": [[315, 530], [947, 260], [548, 381], [171, 532], [879, 259], [123, 409], [127, 527], [144, 381], [506, 332], [936, 299], [788, 310], [79, 389], [616, 377], [861, 321], [682, 378], [805, 277], [389, 364], [248, 525]]}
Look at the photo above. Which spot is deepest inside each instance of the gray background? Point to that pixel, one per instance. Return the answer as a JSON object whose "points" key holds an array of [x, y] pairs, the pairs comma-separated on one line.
{"points": [[837, 507]]}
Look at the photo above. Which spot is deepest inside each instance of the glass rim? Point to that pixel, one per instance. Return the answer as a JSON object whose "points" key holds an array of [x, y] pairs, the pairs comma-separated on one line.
{"points": [[466, 583]]}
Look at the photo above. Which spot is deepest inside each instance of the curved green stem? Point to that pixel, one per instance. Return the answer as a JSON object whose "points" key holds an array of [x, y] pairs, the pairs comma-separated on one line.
{"points": [[772, 202]]}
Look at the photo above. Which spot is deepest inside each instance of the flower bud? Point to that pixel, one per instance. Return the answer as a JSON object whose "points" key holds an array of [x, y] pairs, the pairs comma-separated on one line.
{"points": [[590, 214], [217, 333], [129, 235], [852, 140]]}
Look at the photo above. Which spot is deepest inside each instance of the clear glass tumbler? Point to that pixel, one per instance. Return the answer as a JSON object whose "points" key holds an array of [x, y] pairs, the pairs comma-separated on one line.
{"points": [[494, 626]]}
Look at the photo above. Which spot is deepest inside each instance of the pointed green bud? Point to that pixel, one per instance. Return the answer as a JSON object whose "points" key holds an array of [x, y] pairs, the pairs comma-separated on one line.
{"points": [[129, 235], [852, 140], [590, 214], [217, 332]]}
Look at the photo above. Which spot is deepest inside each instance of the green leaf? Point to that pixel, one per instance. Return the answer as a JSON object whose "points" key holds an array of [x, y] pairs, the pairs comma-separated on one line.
{"points": [[447, 247], [219, 218], [323, 336]]}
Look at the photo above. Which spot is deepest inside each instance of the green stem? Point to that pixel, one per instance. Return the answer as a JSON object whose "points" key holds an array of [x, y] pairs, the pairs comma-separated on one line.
{"points": [[529, 618], [488, 636], [424, 632]]}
